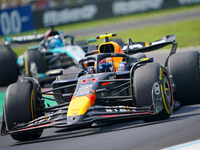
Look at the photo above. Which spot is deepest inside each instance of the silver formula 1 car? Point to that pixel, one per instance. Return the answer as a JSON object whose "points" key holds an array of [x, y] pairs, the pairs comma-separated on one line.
{"points": [[54, 51]]}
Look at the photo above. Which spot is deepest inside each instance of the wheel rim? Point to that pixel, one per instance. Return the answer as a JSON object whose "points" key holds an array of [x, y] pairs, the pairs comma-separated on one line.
{"points": [[167, 91]]}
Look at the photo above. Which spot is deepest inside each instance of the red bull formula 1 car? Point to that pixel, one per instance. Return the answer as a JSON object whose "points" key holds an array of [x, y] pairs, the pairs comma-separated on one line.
{"points": [[113, 84]]}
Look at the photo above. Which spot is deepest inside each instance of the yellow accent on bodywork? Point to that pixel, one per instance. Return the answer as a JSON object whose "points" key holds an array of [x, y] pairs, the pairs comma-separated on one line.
{"points": [[164, 102], [55, 71], [78, 106], [106, 35], [144, 59], [116, 47], [146, 44], [127, 108]]}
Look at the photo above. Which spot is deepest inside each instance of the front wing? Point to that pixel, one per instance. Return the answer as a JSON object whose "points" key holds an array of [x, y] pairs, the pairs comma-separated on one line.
{"points": [[95, 113]]}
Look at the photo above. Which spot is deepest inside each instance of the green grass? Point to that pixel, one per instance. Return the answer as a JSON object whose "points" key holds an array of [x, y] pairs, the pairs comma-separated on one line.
{"points": [[188, 32]]}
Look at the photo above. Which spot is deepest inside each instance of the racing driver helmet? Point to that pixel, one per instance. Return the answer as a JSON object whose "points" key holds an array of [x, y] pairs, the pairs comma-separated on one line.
{"points": [[56, 42], [112, 47], [106, 65]]}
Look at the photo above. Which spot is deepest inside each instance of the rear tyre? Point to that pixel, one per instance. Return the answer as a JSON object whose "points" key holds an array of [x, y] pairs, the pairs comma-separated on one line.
{"points": [[9, 70], [19, 107], [184, 67], [149, 77], [31, 58]]}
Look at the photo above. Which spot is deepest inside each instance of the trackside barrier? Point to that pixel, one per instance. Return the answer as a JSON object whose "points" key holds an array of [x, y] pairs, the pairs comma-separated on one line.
{"points": [[16, 20], [100, 10], [21, 19]]}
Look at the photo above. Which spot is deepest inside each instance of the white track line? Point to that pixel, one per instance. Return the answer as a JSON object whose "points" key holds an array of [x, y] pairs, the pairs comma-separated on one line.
{"points": [[194, 145]]}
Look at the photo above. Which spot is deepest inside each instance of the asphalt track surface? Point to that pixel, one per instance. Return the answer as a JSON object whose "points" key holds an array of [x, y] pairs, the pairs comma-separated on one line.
{"points": [[183, 126]]}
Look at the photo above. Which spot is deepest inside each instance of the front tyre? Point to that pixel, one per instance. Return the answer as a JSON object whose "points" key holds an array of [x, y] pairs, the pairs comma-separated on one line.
{"points": [[152, 82], [20, 107], [185, 69]]}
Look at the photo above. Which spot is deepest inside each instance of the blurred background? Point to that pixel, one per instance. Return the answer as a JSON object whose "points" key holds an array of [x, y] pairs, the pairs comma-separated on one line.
{"points": [[43, 4], [142, 20]]}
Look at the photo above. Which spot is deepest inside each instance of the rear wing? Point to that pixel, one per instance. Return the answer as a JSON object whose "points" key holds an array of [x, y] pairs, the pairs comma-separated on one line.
{"points": [[26, 39], [22, 40], [135, 47], [132, 48], [30, 39]]}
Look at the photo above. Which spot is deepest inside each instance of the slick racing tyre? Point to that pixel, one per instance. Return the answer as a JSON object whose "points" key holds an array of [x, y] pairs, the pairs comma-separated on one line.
{"points": [[185, 69], [34, 63], [9, 70], [147, 78], [19, 107]]}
